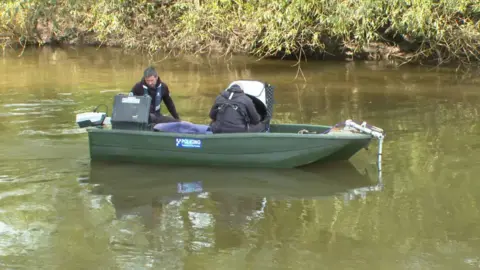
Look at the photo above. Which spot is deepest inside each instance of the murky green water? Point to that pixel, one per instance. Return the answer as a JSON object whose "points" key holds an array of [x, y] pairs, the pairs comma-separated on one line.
{"points": [[58, 211]]}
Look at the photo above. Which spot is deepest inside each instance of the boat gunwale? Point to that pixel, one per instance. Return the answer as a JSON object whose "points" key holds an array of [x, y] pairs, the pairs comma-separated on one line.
{"points": [[245, 135]]}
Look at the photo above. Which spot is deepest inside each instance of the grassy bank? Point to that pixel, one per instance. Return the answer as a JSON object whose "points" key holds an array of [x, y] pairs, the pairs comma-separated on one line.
{"points": [[411, 30]]}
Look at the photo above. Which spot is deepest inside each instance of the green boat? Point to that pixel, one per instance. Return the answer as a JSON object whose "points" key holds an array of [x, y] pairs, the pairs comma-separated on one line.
{"points": [[128, 137]]}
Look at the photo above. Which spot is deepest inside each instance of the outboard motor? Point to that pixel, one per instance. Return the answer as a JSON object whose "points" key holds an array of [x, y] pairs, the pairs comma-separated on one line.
{"points": [[90, 119], [131, 112]]}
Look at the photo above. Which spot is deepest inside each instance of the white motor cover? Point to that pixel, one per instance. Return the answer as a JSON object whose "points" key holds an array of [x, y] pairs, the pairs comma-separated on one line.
{"points": [[253, 88], [90, 119]]}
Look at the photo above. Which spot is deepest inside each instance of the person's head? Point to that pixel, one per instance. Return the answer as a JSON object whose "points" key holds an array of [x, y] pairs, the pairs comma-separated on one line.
{"points": [[235, 88], [150, 76]]}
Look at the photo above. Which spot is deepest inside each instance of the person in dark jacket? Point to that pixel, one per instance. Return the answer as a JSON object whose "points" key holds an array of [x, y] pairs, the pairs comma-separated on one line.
{"points": [[234, 111], [152, 85]]}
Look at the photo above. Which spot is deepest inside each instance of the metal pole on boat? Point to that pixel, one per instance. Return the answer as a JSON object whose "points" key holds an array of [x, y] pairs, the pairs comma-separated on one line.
{"points": [[379, 158], [375, 132]]}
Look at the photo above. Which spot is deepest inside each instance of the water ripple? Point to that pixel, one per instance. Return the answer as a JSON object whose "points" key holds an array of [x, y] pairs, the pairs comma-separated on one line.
{"points": [[22, 105], [7, 194], [7, 178], [61, 132], [25, 109], [15, 241], [19, 113]]}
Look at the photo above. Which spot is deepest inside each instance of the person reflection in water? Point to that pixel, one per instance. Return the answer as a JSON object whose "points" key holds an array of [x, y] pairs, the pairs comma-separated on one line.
{"points": [[230, 215], [233, 212]]}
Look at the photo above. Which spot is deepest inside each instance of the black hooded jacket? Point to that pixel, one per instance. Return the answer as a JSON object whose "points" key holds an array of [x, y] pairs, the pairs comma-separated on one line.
{"points": [[233, 111]]}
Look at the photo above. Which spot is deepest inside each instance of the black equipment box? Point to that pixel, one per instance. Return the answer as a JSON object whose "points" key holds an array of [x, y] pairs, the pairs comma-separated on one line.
{"points": [[131, 112]]}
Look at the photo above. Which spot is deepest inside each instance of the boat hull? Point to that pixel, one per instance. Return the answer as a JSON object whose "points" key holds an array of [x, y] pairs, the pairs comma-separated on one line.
{"points": [[281, 148]]}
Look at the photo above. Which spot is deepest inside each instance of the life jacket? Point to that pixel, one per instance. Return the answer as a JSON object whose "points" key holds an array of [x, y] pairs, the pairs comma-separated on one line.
{"points": [[222, 108], [158, 96]]}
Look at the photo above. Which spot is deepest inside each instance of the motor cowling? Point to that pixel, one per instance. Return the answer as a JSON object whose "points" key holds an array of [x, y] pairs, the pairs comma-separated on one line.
{"points": [[90, 119]]}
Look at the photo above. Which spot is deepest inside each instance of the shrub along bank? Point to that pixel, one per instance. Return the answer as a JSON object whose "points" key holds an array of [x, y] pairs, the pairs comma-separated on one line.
{"points": [[410, 30]]}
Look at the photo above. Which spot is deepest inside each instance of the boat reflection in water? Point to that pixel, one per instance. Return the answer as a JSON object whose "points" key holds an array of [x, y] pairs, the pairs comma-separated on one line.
{"points": [[218, 207]]}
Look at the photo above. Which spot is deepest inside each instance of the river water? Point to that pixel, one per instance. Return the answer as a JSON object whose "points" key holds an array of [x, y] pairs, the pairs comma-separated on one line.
{"points": [[59, 211]]}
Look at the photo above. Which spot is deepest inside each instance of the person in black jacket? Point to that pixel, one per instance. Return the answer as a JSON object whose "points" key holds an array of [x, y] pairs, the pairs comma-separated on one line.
{"points": [[234, 111], [152, 85]]}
